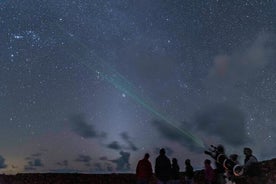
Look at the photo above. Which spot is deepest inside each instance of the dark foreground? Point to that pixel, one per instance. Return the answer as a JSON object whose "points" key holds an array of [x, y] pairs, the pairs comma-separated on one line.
{"points": [[268, 176]]}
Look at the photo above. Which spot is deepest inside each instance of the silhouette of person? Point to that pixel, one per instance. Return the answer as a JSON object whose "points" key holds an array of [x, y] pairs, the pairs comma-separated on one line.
{"points": [[209, 174], [189, 172], [219, 167], [144, 170], [174, 172], [251, 167], [162, 167], [230, 173]]}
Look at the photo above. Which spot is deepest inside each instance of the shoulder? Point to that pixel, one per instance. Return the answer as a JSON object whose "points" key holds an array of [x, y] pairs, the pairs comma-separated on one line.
{"points": [[252, 159], [140, 162]]}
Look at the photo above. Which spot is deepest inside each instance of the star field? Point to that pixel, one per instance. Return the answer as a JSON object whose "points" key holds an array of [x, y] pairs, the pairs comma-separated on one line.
{"points": [[90, 86]]}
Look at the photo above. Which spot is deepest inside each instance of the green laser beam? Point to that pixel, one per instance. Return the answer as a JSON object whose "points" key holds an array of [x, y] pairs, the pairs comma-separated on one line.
{"points": [[121, 83]]}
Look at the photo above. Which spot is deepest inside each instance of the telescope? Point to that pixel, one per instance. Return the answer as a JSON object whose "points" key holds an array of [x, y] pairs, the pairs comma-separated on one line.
{"points": [[224, 161]]}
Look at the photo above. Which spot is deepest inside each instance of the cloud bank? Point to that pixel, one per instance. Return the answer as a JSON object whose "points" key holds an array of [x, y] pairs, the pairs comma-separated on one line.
{"points": [[81, 127]]}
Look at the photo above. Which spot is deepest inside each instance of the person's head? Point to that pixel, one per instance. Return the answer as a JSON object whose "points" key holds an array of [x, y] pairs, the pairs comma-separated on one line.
{"points": [[247, 151], [234, 157], [146, 156], [187, 161], [162, 151], [207, 162], [220, 148]]}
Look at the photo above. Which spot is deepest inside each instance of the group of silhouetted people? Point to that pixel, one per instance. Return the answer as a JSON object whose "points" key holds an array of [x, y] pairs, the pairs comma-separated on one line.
{"points": [[225, 175], [165, 171], [168, 173]]}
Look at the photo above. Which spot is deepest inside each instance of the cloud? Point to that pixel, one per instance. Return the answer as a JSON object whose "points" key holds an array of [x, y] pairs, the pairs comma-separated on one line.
{"points": [[103, 158], [114, 145], [33, 162], [122, 163], [176, 134], [109, 167], [36, 155], [260, 53], [126, 138], [242, 73], [37, 163], [236, 78], [98, 167], [224, 121], [81, 127], [2, 163], [86, 159], [64, 163], [29, 168], [101, 167], [241, 66]]}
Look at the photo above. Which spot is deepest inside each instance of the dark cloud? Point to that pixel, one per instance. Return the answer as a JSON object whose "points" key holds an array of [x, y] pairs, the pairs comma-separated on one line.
{"points": [[101, 167], [103, 158], [83, 158], [2, 163], [33, 162], [179, 135], [86, 159], [36, 155], [126, 138], [114, 145], [81, 127], [98, 167], [109, 167], [64, 163], [29, 168], [122, 163], [225, 121], [117, 146], [38, 163]]}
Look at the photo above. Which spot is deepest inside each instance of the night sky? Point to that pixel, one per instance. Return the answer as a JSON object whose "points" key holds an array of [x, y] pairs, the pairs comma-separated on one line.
{"points": [[90, 86]]}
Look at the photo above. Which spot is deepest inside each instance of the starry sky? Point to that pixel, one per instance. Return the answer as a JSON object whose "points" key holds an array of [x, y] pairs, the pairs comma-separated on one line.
{"points": [[90, 86]]}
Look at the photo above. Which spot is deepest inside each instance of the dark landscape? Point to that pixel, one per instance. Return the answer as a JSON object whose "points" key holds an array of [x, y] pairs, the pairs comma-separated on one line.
{"points": [[268, 176]]}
